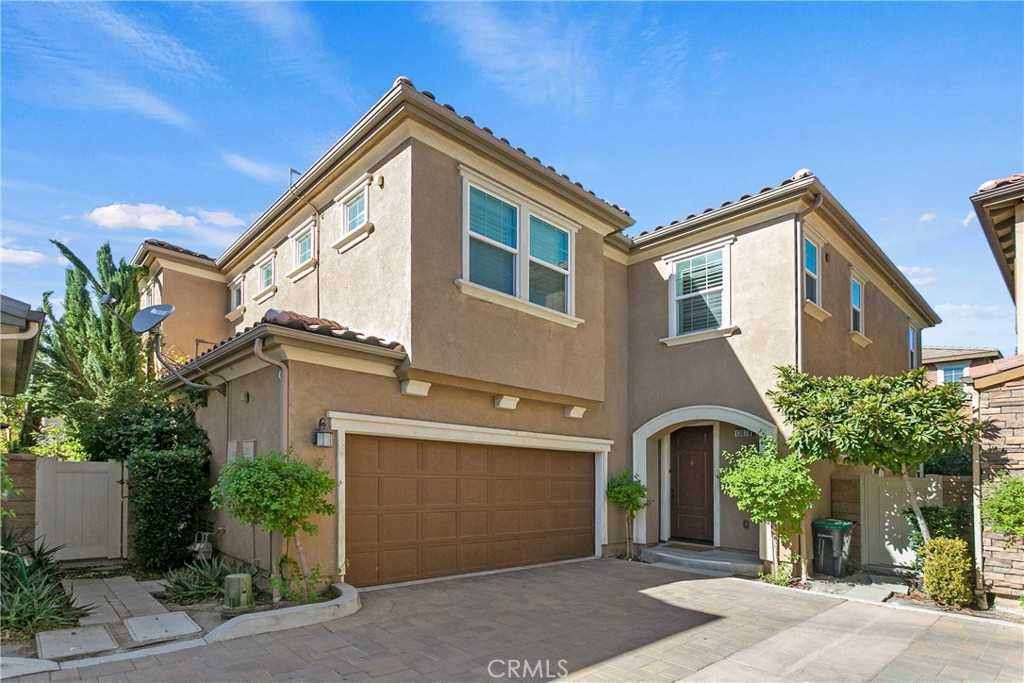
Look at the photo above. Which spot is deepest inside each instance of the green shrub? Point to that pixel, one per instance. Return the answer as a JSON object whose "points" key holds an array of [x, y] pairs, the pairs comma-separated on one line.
{"points": [[1002, 506], [944, 521], [948, 572], [7, 488], [53, 441], [31, 597], [629, 494], [203, 580], [167, 490]]}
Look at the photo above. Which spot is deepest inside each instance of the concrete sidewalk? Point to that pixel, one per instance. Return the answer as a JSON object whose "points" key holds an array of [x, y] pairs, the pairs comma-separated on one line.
{"points": [[602, 620]]}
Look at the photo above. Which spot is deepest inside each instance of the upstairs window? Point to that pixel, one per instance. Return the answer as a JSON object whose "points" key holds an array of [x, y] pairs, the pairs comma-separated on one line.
{"points": [[234, 296], [354, 211], [812, 288], [303, 247], [912, 335], [952, 374], [699, 295], [493, 242], [856, 305], [549, 265], [266, 274]]}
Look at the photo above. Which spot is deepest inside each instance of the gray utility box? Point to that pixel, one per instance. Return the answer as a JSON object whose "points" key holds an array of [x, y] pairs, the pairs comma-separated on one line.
{"points": [[832, 546]]}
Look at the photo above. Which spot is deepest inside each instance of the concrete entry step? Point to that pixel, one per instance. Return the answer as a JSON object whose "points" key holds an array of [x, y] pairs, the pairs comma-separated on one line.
{"points": [[715, 561]]}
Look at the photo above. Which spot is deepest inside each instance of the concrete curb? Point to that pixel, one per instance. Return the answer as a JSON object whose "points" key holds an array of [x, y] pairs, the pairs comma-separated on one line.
{"points": [[12, 667], [346, 603]]}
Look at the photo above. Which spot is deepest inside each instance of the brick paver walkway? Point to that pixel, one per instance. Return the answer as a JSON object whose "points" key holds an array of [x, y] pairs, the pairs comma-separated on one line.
{"points": [[606, 620]]}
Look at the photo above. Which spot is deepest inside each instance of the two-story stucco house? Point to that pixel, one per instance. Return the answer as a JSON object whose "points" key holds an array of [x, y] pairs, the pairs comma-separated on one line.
{"points": [[501, 347]]}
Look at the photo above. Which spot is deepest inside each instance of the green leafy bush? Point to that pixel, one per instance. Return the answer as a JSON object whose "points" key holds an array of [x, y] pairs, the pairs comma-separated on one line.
{"points": [[770, 488], [1002, 506], [7, 488], [167, 490], [31, 597], [629, 494], [54, 441], [203, 580], [944, 521], [948, 572], [277, 493]]}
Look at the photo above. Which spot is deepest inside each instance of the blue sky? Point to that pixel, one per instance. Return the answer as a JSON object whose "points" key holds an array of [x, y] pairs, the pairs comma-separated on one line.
{"points": [[180, 121]]}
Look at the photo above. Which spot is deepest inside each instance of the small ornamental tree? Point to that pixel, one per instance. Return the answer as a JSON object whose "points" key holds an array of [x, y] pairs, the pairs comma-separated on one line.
{"points": [[1002, 506], [629, 494], [892, 423], [771, 488], [277, 493]]}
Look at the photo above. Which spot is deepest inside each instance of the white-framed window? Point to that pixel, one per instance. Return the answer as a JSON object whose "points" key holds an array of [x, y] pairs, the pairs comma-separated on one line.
{"points": [[147, 296], [302, 247], [913, 334], [812, 278], [353, 210], [699, 292], [856, 305], [516, 248], [950, 374], [234, 295], [266, 274]]}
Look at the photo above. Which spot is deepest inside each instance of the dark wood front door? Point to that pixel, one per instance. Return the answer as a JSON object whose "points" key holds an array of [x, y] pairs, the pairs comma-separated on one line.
{"points": [[691, 477]]}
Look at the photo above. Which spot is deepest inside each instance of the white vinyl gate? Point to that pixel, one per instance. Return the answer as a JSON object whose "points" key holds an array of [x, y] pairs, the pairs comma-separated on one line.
{"points": [[80, 505], [885, 534]]}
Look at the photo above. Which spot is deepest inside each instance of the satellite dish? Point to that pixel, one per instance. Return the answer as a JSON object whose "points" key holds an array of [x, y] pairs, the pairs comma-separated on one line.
{"points": [[149, 317]]}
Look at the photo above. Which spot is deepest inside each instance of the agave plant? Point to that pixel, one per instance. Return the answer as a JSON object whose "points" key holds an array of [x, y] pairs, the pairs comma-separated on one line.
{"points": [[203, 580]]}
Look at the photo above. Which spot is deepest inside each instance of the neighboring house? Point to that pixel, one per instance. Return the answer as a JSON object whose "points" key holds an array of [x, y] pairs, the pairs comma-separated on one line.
{"points": [[504, 348], [19, 338], [950, 363], [1000, 384]]}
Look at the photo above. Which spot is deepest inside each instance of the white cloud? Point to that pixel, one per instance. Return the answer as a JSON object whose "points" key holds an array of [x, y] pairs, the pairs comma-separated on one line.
{"points": [[927, 217], [152, 217], [221, 219], [252, 168], [974, 311], [967, 219], [111, 94], [919, 276], [21, 257]]}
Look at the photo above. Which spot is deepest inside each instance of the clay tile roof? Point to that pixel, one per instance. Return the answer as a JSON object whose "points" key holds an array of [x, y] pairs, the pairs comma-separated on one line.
{"points": [[935, 354], [174, 247], [995, 367], [328, 328], [799, 175], [996, 183]]}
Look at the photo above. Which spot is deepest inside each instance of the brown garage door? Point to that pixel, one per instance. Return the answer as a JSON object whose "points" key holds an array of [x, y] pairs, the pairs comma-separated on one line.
{"points": [[417, 509]]}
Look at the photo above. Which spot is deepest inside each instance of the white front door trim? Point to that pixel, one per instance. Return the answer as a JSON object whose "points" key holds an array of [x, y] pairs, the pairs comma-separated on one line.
{"points": [[665, 467], [676, 418], [376, 425]]}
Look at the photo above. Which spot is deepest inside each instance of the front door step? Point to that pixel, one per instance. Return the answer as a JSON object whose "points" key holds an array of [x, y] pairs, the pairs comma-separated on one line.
{"points": [[716, 562]]}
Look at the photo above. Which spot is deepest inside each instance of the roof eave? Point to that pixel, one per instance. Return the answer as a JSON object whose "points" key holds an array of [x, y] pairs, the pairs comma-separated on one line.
{"points": [[981, 202]]}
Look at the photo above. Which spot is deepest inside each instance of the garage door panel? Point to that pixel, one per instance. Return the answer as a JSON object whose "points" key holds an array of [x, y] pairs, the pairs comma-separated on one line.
{"points": [[418, 509]]}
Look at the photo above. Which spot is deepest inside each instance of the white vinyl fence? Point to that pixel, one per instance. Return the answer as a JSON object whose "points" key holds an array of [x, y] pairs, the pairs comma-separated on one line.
{"points": [[885, 535], [81, 506]]}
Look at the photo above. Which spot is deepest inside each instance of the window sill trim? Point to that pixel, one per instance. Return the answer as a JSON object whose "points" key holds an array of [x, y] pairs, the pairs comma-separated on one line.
{"points": [[265, 294], [815, 311], [491, 296], [350, 239], [859, 339], [302, 270], [693, 337], [235, 315]]}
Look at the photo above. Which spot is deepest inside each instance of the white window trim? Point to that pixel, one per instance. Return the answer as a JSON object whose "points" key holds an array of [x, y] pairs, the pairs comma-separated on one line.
{"points": [[703, 335], [727, 328], [361, 186], [860, 280], [238, 284], [525, 208], [268, 291], [941, 367], [819, 246], [913, 351], [302, 268]]}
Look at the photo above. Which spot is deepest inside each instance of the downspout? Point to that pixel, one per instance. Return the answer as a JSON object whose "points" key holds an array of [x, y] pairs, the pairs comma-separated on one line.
{"points": [[282, 374], [979, 577], [798, 226], [316, 242]]}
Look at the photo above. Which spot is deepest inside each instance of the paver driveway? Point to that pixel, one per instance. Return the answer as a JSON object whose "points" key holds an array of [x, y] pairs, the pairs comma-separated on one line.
{"points": [[603, 620]]}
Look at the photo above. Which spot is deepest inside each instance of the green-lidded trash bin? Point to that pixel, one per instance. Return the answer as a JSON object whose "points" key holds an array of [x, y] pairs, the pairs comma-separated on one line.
{"points": [[832, 545]]}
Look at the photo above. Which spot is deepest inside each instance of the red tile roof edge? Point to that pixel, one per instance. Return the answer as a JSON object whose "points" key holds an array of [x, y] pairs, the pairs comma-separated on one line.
{"points": [[997, 183], [995, 367]]}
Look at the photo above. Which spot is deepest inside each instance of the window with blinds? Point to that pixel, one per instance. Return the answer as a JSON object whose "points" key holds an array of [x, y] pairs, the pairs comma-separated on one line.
{"points": [[698, 292]]}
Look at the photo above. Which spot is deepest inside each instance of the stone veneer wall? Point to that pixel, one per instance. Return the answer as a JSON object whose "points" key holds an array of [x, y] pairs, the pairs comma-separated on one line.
{"points": [[1002, 450], [22, 468]]}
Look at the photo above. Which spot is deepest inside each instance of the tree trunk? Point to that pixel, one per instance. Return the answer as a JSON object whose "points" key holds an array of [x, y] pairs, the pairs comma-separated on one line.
{"points": [[914, 504], [302, 564], [629, 536]]}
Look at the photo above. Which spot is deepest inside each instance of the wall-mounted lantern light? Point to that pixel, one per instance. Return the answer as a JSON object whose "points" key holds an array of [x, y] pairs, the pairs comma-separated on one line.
{"points": [[323, 437]]}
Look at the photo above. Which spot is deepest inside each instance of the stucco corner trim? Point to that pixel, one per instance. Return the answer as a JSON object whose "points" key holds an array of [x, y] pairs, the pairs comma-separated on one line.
{"points": [[491, 296], [815, 311], [575, 412], [235, 315], [415, 387], [859, 339], [265, 294], [506, 402], [302, 270], [720, 333], [351, 239]]}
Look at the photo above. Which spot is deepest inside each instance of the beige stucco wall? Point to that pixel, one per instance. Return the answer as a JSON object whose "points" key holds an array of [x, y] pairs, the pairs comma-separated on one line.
{"points": [[733, 533], [199, 305]]}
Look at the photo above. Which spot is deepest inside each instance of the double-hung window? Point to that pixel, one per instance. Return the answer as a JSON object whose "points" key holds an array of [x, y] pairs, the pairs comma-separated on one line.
{"points": [[856, 305], [235, 296], [266, 274], [699, 294], [912, 336], [302, 248], [355, 212], [520, 250], [812, 283]]}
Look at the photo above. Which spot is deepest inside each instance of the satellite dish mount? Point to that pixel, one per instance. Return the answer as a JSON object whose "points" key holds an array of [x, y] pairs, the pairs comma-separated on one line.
{"points": [[148, 320]]}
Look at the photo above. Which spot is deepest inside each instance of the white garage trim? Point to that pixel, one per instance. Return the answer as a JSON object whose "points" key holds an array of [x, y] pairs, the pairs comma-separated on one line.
{"points": [[376, 425], [678, 417]]}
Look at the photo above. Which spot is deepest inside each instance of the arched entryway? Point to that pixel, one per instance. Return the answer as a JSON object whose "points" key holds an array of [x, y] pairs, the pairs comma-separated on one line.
{"points": [[653, 443]]}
